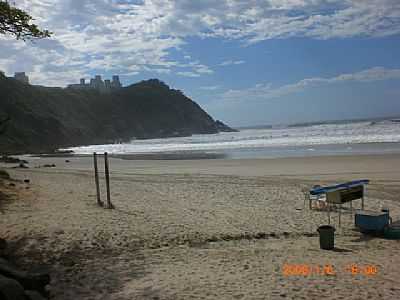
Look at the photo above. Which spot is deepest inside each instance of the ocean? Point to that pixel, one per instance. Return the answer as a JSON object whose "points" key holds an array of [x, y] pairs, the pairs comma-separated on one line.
{"points": [[339, 138]]}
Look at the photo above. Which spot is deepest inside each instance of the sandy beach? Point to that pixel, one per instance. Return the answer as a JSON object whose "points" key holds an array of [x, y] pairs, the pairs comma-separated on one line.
{"points": [[200, 229]]}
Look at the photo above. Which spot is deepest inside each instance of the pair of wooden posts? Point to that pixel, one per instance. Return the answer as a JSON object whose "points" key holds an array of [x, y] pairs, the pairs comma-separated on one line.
{"points": [[96, 177]]}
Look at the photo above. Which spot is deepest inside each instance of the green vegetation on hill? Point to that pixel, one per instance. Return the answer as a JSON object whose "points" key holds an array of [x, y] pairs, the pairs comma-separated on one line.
{"points": [[44, 119]]}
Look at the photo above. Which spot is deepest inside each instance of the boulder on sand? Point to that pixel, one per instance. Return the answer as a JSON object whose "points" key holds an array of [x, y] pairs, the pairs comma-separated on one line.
{"points": [[30, 281], [33, 295], [3, 247], [11, 289]]}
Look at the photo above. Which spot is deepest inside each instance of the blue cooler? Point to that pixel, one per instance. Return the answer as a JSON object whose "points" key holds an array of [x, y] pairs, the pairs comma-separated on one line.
{"points": [[371, 221]]}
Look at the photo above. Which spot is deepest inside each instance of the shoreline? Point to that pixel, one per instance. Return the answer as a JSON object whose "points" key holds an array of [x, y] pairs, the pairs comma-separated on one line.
{"points": [[345, 166]]}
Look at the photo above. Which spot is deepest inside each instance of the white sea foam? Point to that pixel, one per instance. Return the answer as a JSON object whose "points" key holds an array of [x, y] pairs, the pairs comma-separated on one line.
{"points": [[307, 136]]}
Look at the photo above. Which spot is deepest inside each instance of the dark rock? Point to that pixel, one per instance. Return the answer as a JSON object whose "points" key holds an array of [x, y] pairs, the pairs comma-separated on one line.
{"points": [[63, 152], [3, 247], [223, 127], [27, 180], [3, 244], [11, 160], [67, 161], [34, 295], [49, 166], [212, 239], [30, 281], [11, 184], [260, 235], [11, 289]]}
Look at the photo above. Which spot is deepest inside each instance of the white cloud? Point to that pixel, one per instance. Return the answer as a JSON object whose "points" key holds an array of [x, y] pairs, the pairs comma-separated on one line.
{"points": [[161, 71], [209, 88], [128, 37], [188, 74], [100, 36], [196, 68], [266, 91], [257, 20], [202, 69], [231, 62]]}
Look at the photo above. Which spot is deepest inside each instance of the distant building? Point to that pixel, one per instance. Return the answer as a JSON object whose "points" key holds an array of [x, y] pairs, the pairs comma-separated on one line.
{"points": [[20, 76], [97, 83], [107, 84], [115, 82]]}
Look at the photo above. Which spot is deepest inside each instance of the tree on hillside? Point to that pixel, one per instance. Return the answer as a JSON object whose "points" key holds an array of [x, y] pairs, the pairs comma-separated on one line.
{"points": [[16, 22]]}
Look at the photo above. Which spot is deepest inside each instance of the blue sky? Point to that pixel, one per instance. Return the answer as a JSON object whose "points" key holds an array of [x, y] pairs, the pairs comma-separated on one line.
{"points": [[245, 62]]}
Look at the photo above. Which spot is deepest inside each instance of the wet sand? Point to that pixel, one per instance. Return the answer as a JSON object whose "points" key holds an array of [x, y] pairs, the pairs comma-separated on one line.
{"points": [[201, 229]]}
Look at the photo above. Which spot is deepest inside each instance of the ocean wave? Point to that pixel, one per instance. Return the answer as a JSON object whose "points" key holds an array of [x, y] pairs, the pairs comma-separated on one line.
{"points": [[326, 134]]}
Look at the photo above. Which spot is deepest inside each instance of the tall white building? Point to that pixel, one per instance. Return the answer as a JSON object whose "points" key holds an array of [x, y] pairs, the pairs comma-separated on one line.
{"points": [[97, 83], [115, 82]]}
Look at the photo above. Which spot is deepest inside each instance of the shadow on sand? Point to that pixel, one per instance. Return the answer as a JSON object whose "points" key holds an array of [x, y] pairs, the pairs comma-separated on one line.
{"points": [[341, 250]]}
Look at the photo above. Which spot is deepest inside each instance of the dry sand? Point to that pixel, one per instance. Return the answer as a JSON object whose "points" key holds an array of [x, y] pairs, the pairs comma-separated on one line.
{"points": [[200, 229]]}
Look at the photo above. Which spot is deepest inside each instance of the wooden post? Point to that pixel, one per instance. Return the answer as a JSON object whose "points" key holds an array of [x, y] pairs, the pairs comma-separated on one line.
{"points": [[107, 173], [96, 178]]}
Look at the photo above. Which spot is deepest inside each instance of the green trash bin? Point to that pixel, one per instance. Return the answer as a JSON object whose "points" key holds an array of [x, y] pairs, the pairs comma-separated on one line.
{"points": [[326, 237]]}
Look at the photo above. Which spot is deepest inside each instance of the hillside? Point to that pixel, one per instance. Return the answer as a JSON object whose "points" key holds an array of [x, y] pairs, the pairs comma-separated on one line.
{"points": [[44, 119]]}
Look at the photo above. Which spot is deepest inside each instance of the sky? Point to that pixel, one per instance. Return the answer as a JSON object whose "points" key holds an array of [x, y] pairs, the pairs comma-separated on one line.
{"points": [[246, 62]]}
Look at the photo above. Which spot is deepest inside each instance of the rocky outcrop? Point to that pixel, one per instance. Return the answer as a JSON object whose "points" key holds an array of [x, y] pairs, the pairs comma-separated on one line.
{"points": [[29, 281], [43, 119], [16, 284], [10, 289], [223, 127]]}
